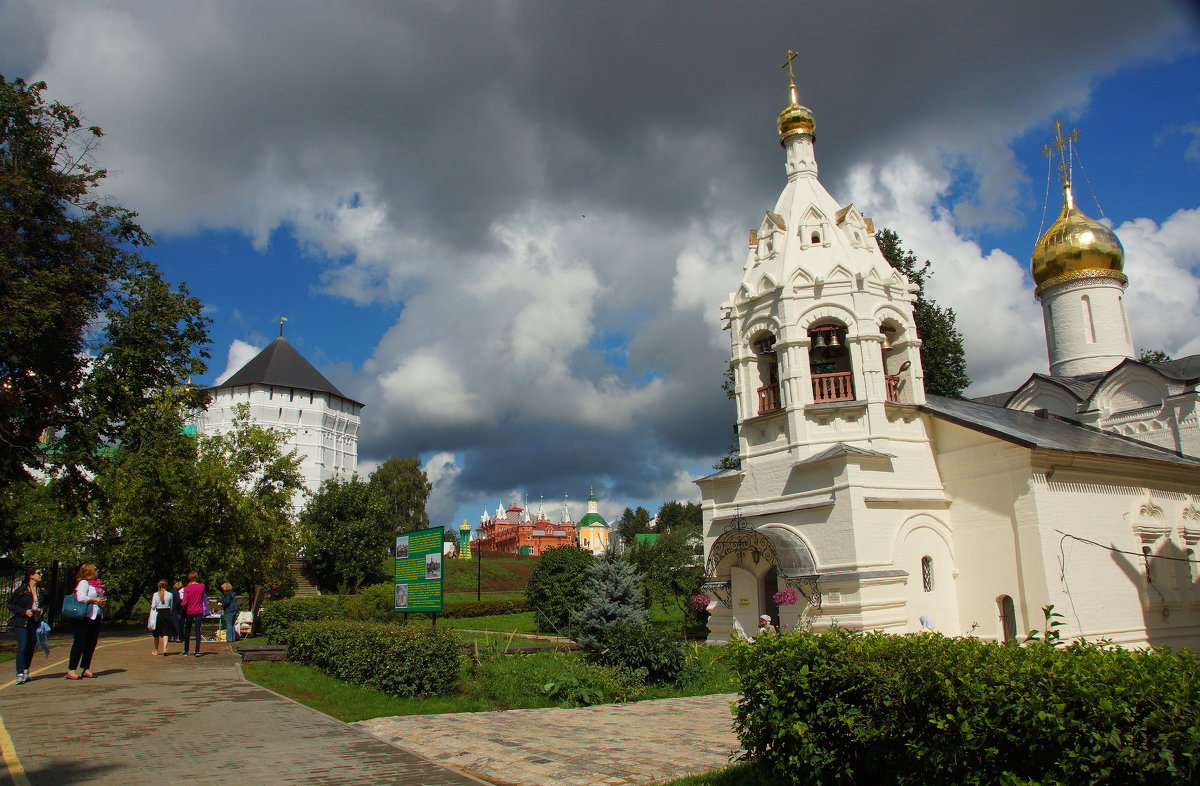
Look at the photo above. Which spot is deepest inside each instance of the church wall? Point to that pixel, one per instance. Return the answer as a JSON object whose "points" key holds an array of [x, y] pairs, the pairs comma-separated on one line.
{"points": [[985, 479]]}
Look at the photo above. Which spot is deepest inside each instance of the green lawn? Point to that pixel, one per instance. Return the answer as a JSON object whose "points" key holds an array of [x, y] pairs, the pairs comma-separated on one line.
{"points": [[465, 597], [496, 682]]}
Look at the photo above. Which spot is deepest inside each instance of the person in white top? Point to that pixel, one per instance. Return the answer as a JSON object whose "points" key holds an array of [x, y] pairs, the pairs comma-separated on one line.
{"points": [[161, 620], [89, 590]]}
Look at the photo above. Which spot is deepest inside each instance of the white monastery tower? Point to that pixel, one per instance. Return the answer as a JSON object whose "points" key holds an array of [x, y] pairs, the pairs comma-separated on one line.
{"points": [[888, 509], [1077, 267], [286, 393]]}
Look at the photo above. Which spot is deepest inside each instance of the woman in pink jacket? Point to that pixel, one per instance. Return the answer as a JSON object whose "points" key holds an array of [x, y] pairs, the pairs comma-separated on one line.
{"points": [[193, 598]]}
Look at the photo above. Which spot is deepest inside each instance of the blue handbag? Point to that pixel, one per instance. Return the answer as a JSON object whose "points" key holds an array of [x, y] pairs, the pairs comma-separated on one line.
{"points": [[74, 610]]}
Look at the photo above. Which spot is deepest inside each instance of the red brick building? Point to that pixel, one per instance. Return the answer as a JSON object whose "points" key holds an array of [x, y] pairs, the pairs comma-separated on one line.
{"points": [[514, 531]]}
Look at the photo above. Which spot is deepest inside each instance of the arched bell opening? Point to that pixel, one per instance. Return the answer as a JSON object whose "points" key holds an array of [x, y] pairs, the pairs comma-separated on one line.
{"points": [[829, 363], [897, 363], [767, 362]]}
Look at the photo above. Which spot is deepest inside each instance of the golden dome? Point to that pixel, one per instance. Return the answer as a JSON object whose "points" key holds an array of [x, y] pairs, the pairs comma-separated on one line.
{"points": [[795, 119], [1075, 247]]}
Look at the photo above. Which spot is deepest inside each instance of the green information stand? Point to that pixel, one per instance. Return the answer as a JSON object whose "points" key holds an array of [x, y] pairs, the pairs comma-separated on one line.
{"points": [[419, 570]]}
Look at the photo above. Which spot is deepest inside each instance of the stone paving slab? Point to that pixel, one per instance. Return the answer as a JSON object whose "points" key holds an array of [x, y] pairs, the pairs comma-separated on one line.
{"points": [[178, 720], [612, 744]]}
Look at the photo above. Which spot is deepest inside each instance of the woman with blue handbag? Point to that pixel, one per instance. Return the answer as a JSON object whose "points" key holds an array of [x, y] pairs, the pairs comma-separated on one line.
{"points": [[88, 591], [26, 604]]}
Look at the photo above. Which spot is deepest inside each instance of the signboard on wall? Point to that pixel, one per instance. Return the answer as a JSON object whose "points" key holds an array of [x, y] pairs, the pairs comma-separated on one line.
{"points": [[419, 570]]}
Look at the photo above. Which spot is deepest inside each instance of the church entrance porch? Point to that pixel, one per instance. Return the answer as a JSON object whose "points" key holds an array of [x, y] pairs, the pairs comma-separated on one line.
{"points": [[746, 567]]}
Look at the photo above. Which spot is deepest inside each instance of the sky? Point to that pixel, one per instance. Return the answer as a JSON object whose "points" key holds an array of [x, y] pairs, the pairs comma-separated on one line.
{"points": [[506, 227]]}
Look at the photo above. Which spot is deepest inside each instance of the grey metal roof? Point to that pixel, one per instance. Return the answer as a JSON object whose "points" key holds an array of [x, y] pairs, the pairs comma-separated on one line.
{"points": [[282, 366], [841, 449], [1187, 368], [1051, 432]]}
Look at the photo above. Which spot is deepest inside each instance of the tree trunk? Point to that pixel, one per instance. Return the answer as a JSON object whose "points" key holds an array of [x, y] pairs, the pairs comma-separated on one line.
{"points": [[127, 609]]}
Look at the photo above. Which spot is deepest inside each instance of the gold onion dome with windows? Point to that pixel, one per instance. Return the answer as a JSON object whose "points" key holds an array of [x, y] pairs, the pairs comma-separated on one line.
{"points": [[794, 119]]}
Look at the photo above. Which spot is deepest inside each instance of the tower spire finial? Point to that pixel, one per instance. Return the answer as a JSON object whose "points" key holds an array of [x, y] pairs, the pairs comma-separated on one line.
{"points": [[1061, 145], [281, 321], [791, 74]]}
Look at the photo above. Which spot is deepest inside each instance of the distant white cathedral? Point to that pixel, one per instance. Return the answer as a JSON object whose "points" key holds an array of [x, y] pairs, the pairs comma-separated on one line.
{"points": [[287, 394], [887, 509]]}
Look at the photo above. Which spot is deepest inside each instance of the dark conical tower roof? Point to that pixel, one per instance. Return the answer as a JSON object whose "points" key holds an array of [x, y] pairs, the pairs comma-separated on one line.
{"points": [[282, 366]]}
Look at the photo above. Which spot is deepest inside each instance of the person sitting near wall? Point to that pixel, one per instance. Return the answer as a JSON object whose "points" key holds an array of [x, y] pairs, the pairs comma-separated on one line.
{"points": [[764, 624], [276, 592]]}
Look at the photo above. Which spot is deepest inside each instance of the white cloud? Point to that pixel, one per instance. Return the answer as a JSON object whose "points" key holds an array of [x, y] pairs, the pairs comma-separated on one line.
{"points": [[240, 353], [1164, 288], [442, 470]]}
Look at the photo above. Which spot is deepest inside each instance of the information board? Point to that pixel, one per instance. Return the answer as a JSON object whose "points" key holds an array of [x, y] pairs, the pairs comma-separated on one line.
{"points": [[419, 570]]}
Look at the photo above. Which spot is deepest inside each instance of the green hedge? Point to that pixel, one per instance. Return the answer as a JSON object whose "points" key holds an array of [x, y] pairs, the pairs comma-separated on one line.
{"points": [[279, 615], [378, 601], [403, 661], [847, 707]]}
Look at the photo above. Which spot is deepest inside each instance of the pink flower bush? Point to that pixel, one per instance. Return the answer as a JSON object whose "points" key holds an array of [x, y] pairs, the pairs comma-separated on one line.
{"points": [[699, 602], [785, 597]]}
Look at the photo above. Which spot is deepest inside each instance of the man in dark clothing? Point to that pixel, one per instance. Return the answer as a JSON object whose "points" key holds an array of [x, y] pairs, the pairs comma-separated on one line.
{"points": [[276, 592]]}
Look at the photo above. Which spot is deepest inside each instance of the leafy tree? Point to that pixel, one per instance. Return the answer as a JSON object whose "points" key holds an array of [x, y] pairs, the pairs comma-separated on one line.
{"points": [[402, 489], [942, 355], [673, 515], [1153, 356], [558, 586], [633, 522], [346, 538], [733, 454], [671, 568], [68, 261], [614, 595]]}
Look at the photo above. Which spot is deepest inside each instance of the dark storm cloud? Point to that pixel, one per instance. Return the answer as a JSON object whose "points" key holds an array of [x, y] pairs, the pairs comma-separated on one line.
{"points": [[527, 177]]}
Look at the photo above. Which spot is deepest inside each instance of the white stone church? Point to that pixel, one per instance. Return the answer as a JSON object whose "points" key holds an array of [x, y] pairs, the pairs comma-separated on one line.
{"points": [[285, 392], [891, 510]]}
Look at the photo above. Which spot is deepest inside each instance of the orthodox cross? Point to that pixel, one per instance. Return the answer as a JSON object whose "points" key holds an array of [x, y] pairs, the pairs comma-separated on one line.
{"points": [[788, 64], [1060, 144]]}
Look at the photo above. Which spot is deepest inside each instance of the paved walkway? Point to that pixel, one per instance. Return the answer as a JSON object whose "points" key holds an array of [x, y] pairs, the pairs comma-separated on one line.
{"points": [[177, 720], [644, 742]]}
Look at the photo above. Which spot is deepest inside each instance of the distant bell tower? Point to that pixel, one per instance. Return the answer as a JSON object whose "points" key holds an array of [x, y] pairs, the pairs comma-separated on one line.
{"points": [[464, 540], [1078, 268]]}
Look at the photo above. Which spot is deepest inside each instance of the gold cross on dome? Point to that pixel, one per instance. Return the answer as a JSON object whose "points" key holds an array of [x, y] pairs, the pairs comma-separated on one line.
{"points": [[788, 64], [1060, 144]]}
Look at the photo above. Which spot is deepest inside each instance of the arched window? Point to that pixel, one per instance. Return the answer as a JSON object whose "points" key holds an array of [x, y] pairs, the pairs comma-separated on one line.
{"points": [[768, 374], [829, 363], [1008, 618], [927, 573], [816, 238]]}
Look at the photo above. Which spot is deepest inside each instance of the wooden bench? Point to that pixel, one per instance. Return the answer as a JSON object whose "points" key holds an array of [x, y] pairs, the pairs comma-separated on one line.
{"points": [[257, 652]]}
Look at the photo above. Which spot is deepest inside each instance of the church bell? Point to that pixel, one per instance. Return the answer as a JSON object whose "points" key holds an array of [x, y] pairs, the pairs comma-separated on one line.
{"points": [[836, 347], [820, 342]]}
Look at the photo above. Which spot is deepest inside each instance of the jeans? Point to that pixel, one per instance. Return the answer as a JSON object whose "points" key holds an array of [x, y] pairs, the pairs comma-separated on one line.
{"points": [[87, 633], [230, 625], [177, 619], [26, 645], [188, 621]]}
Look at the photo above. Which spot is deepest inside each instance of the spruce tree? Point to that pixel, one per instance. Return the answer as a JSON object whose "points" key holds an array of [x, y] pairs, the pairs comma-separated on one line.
{"points": [[614, 595]]}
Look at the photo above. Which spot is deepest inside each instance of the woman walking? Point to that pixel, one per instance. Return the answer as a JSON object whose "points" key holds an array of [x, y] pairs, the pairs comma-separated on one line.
{"points": [[161, 617], [193, 603], [229, 610], [26, 604], [89, 590]]}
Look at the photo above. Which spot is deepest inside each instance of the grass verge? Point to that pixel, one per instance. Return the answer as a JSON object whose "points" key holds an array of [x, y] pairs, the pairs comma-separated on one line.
{"points": [[743, 773]]}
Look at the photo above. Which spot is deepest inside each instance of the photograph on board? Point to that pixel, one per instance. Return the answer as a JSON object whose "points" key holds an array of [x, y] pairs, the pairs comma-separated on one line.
{"points": [[401, 596], [402, 547], [433, 566]]}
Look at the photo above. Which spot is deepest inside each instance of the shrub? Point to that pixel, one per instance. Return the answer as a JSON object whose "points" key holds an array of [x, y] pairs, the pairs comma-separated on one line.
{"points": [[520, 681], [558, 585], [644, 649], [403, 661], [848, 707], [377, 603], [614, 595], [279, 616]]}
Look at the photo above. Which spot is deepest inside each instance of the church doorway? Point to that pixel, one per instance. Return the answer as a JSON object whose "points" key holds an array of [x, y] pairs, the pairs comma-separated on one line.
{"points": [[745, 568]]}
